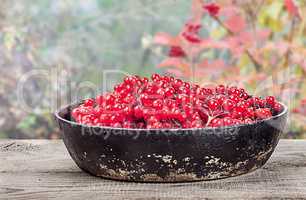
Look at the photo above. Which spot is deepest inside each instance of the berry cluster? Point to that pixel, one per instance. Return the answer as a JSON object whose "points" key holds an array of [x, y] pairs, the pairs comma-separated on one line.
{"points": [[166, 102]]}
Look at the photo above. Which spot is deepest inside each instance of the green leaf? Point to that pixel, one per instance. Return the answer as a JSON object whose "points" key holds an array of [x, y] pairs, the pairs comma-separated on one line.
{"points": [[9, 40], [105, 3], [27, 122]]}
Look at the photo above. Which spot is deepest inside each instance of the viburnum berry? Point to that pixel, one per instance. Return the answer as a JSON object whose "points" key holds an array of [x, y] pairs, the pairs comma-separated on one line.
{"points": [[213, 104], [145, 80], [270, 100], [220, 89], [110, 99], [145, 99], [263, 113], [155, 77], [228, 105], [158, 104], [277, 107], [164, 102], [169, 92], [89, 102]]}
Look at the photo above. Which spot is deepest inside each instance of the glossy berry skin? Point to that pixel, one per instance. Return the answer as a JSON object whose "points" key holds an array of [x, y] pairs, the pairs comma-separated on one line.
{"points": [[89, 102], [155, 77], [263, 113], [158, 104], [213, 104], [277, 107], [164, 102], [228, 105], [270, 100]]}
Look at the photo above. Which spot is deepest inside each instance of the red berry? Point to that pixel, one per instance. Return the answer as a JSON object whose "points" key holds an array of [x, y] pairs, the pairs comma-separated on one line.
{"points": [[234, 98], [250, 113], [89, 102], [127, 124], [138, 111], [263, 113], [99, 99], [228, 105], [244, 95], [277, 107], [212, 104], [196, 124], [216, 122], [152, 120], [227, 121], [169, 92], [178, 83], [145, 99], [110, 99], [145, 80], [220, 89], [158, 104], [270, 100], [155, 77], [161, 92], [248, 121], [140, 125], [240, 108], [116, 125]]}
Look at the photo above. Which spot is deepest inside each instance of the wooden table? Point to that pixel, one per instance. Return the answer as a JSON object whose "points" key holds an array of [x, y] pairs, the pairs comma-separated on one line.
{"points": [[42, 169]]}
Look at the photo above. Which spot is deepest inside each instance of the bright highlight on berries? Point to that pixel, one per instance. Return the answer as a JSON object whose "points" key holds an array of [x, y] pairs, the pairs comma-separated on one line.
{"points": [[164, 102]]}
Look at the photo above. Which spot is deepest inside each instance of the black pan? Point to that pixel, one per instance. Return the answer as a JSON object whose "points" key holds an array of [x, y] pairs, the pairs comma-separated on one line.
{"points": [[173, 155]]}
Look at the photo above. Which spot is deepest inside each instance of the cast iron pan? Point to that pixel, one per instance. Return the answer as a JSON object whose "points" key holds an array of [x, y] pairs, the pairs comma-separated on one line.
{"points": [[174, 155]]}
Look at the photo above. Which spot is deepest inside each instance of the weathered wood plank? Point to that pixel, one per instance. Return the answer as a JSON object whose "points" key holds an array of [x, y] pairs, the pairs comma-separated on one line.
{"points": [[39, 169]]}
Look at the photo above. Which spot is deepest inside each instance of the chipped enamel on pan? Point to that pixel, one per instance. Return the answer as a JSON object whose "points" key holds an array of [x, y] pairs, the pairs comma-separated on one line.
{"points": [[170, 155]]}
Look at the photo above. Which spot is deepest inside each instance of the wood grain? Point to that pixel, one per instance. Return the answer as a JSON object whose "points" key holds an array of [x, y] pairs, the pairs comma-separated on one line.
{"points": [[42, 169]]}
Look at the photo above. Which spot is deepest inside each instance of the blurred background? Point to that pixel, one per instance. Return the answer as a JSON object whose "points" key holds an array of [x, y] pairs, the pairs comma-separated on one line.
{"points": [[53, 52]]}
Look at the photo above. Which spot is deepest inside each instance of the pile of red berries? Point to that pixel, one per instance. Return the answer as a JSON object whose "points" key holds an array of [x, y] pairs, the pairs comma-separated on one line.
{"points": [[166, 102]]}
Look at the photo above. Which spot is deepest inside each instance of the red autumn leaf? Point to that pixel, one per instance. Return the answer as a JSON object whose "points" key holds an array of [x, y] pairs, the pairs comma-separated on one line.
{"points": [[175, 72], [166, 39], [235, 46], [192, 27], [235, 23], [176, 51], [190, 32], [212, 66], [177, 63], [197, 11], [246, 39], [263, 34], [191, 37], [212, 8], [292, 8], [251, 38], [281, 47], [209, 43], [229, 10]]}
